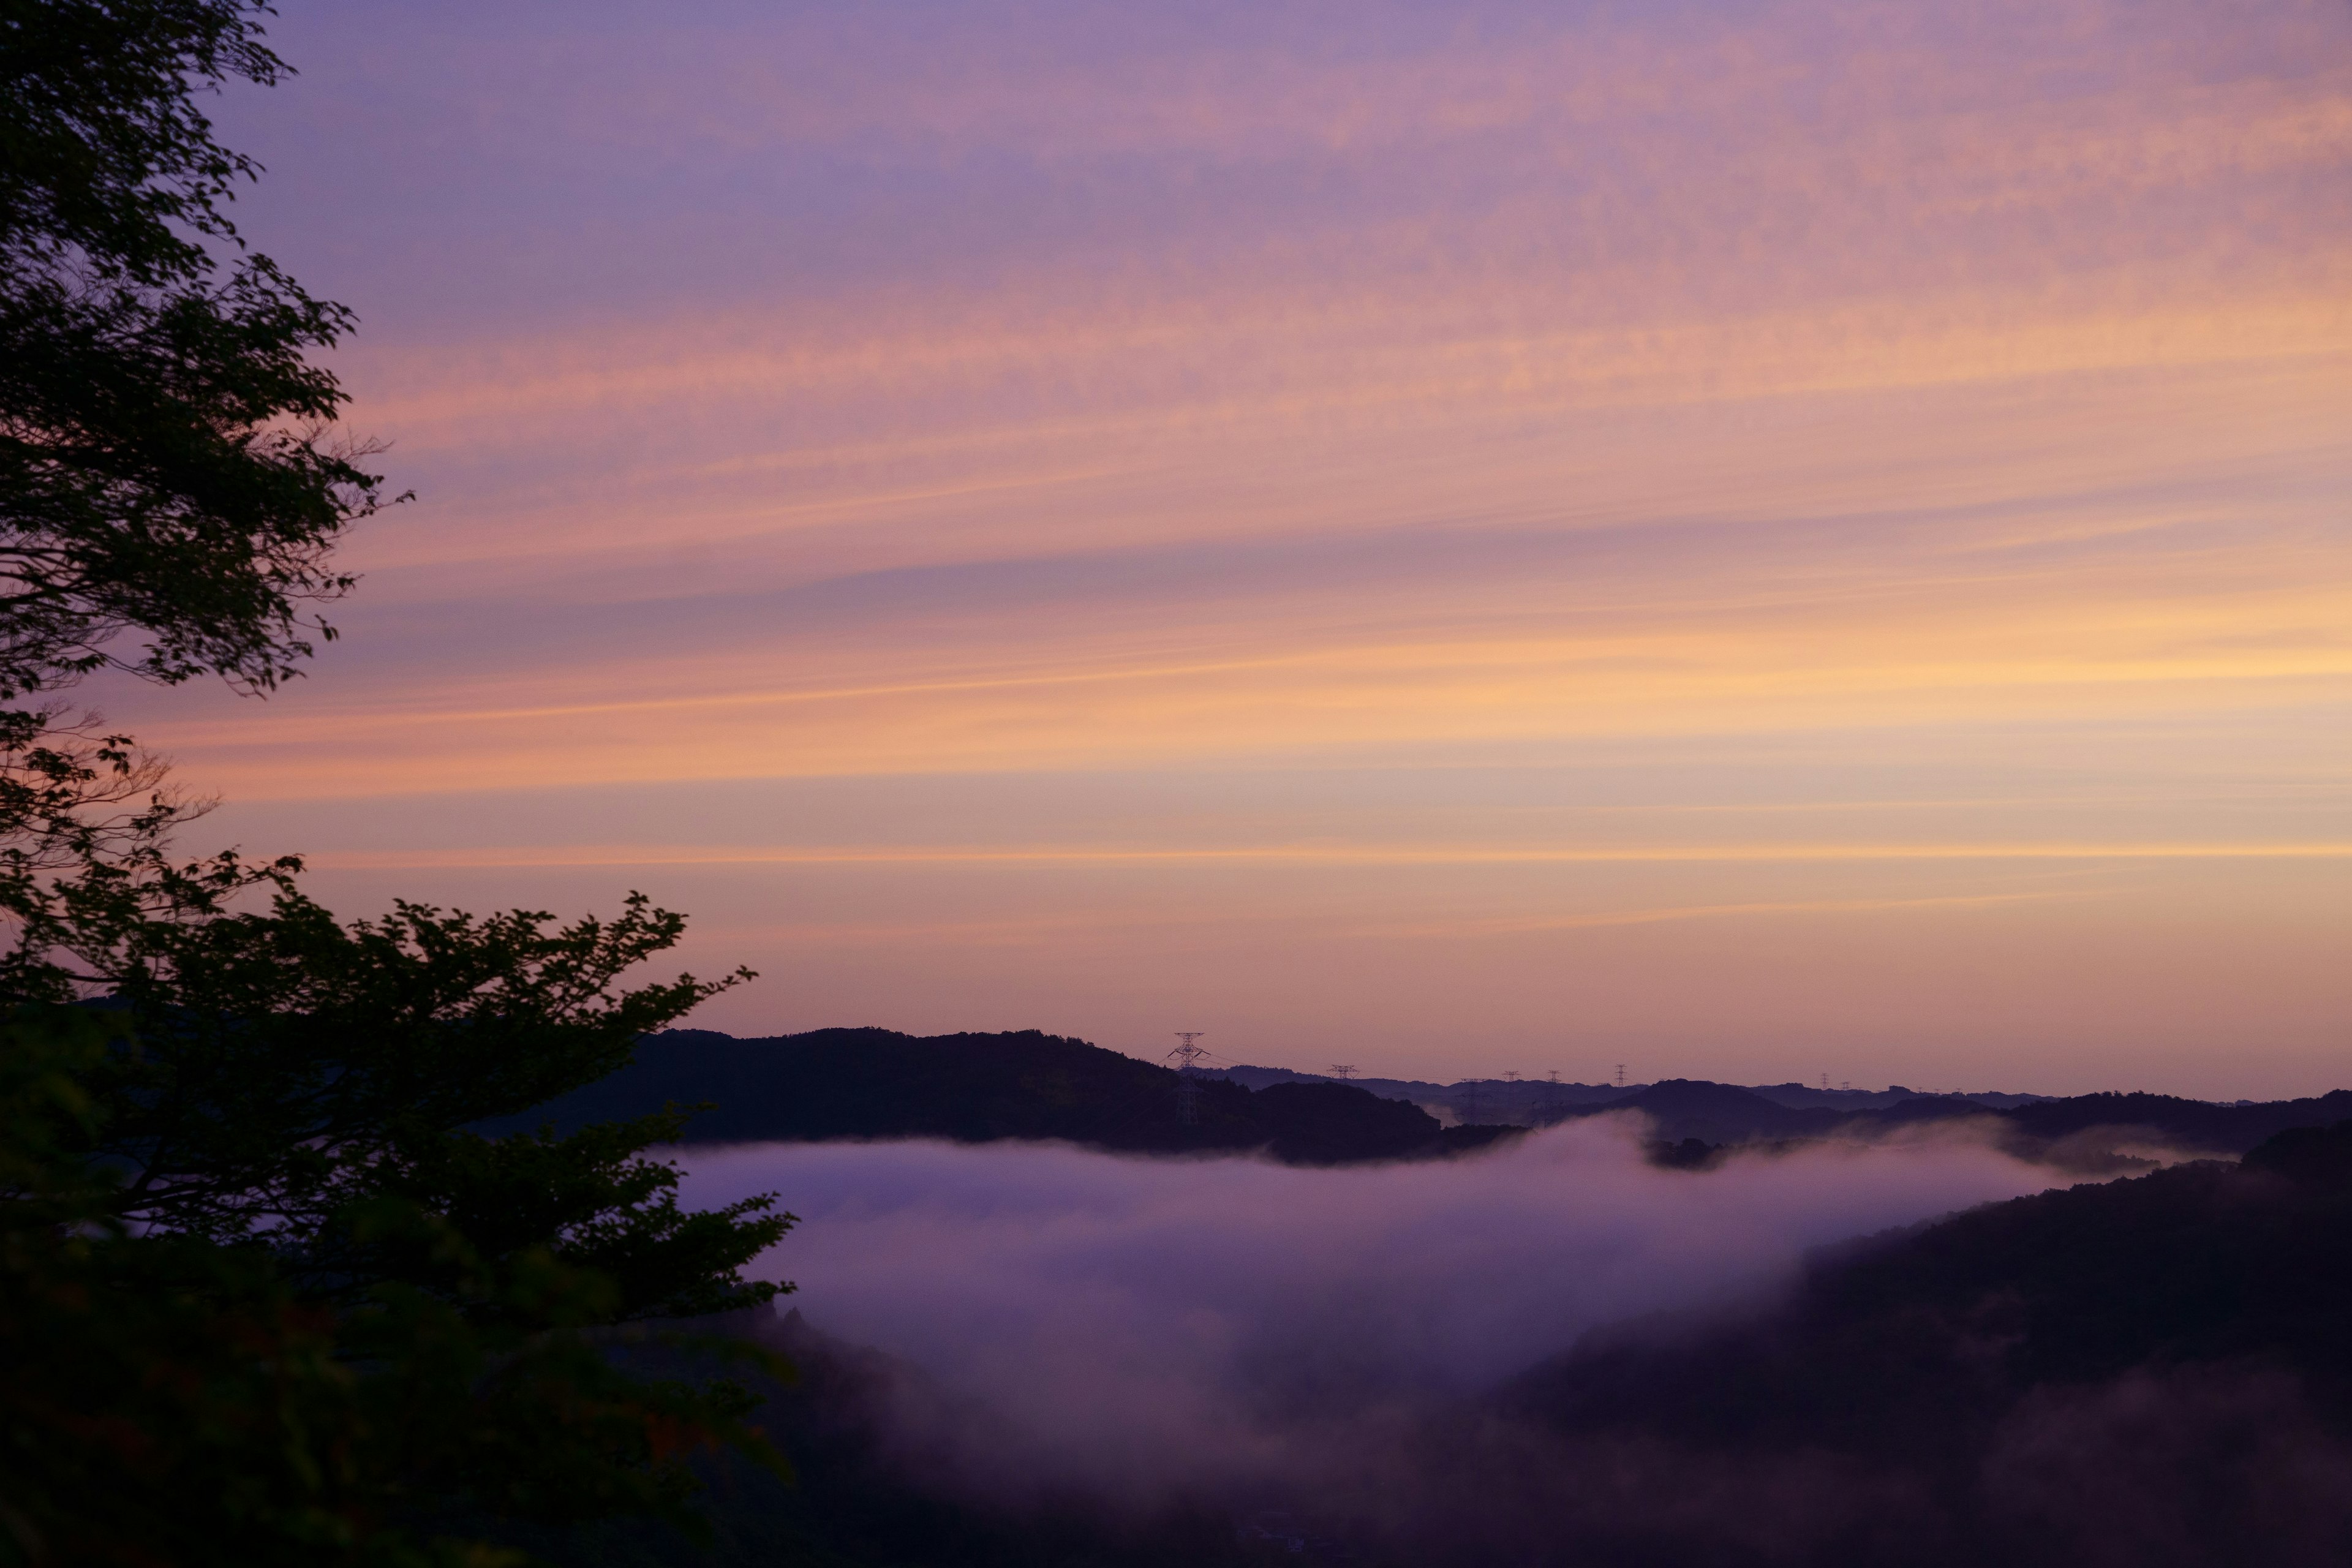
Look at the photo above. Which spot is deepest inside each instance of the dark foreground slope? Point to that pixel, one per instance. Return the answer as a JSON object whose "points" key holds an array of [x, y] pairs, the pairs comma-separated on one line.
{"points": [[2150, 1370], [878, 1083], [867, 1491]]}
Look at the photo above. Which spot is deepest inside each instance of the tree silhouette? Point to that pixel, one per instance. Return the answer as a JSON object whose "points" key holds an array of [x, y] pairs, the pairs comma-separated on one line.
{"points": [[263, 1297]]}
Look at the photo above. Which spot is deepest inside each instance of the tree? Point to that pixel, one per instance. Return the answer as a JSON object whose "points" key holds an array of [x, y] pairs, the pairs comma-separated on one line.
{"points": [[166, 457], [169, 467], [434, 1358], [263, 1297], [252, 1264]]}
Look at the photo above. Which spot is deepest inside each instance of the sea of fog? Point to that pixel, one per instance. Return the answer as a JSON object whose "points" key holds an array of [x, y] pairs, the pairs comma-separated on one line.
{"points": [[1132, 1325]]}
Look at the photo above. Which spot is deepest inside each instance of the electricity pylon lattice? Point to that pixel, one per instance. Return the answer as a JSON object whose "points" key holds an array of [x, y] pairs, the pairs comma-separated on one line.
{"points": [[1187, 1058]]}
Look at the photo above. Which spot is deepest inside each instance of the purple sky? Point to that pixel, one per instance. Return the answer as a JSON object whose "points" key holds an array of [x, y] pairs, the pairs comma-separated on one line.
{"points": [[1746, 540]]}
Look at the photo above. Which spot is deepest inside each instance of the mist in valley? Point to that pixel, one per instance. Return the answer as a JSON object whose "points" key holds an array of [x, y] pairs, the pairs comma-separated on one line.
{"points": [[1150, 1327]]}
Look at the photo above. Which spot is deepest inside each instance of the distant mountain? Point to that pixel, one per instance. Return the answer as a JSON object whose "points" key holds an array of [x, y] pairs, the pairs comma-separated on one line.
{"points": [[976, 1088], [878, 1083], [1719, 1113], [1525, 1102], [1806, 1096], [1537, 1102], [2195, 1123], [1685, 1108]]}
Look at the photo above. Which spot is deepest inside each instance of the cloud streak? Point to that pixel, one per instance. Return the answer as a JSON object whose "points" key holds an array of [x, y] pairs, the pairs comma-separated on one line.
{"points": [[812, 409], [1354, 855]]}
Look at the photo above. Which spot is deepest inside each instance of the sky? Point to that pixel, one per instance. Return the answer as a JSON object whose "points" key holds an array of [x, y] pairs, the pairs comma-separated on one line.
{"points": [[1751, 541]]}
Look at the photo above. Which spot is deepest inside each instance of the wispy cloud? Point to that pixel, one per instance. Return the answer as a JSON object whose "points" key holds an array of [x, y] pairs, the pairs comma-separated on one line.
{"points": [[1310, 854], [1738, 402]]}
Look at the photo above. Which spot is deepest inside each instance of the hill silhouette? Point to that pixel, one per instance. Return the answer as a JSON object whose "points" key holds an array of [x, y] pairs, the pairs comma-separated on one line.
{"points": [[1723, 1114], [2193, 1123], [2198, 1262], [1685, 1108], [1025, 1084], [2163, 1353], [978, 1088]]}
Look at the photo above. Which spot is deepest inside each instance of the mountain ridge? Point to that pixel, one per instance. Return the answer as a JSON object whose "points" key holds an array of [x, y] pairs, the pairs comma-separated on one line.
{"points": [[847, 1083], [868, 1082]]}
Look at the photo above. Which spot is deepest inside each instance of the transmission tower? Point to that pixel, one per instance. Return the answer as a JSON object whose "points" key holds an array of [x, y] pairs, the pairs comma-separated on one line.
{"points": [[1621, 1075], [1343, 1072], [1551, 1098], [1187, 1058]]}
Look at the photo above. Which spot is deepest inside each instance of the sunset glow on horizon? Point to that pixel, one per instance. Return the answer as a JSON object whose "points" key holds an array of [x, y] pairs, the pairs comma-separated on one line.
{"points": [[1750, 541]]}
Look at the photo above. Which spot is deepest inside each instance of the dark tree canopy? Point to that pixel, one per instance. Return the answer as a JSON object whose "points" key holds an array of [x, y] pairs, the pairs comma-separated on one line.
{"points": [[265, 1297], [397, 1378], [166, 465]]}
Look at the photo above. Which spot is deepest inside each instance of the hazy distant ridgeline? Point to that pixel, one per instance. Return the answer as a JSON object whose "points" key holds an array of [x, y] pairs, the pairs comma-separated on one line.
{"points": [[1538, 1101], [978, 1088], [2092, 1130]]}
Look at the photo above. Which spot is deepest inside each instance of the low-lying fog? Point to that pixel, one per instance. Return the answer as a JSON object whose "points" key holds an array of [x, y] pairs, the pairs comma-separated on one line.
{"points": [[1131, 1324]]}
